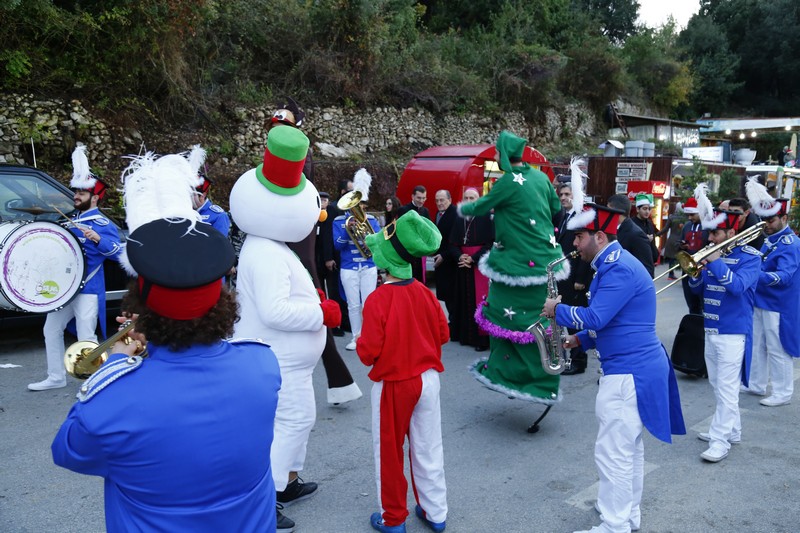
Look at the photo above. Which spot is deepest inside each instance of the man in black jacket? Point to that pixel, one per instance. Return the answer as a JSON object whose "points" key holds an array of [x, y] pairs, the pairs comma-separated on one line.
{"points": [[445, 267], [573, 289], [418, 197], [630, 236]]}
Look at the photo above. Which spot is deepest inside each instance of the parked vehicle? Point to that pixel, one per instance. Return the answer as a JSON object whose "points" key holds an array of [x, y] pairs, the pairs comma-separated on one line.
{"points": [[457, 168], [30, 201]]}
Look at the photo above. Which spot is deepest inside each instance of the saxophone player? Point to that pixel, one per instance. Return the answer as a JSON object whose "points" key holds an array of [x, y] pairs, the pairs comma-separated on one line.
{"points": [[638, 388]]}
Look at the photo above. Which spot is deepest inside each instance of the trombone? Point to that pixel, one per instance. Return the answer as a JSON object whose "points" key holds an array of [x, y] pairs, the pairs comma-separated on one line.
{"points": [[84, 358], [692, 264]]}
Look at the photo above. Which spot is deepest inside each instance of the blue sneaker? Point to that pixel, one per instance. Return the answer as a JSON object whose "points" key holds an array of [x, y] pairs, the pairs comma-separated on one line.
{"points": [[377, 523], [438, 527]]}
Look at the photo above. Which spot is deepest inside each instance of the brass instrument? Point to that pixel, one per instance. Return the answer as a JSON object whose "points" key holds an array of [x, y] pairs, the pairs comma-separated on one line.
{"points": [[550, 339], [358, 232], [691, 264], [84, 358]]}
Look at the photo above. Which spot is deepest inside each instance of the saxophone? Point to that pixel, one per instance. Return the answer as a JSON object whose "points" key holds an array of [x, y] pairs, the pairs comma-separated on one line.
{"points": [[550, 338]]}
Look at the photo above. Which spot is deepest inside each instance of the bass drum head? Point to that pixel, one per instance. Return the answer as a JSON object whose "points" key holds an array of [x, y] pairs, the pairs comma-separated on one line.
{"points": [[42, 266]]}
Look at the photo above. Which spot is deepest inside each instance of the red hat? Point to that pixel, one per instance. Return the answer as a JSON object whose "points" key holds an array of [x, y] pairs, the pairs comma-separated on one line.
{"points": [[82, 177], [597, 218], [205, 183], [690, 205], [723, 220]]}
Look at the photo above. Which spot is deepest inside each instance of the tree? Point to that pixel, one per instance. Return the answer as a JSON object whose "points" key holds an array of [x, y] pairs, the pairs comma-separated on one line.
{"points": [[616, 17], [715, 68], [652, 60]]}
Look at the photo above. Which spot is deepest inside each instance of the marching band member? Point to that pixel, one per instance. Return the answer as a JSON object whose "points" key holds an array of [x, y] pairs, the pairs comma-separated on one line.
{"points": [[100, 241], [358, 274], [638, 388], [776, 335], [180, 437], [210, 213], [728, 286]]}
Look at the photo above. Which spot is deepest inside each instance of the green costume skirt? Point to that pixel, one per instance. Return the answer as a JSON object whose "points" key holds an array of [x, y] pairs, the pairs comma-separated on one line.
{"points": [[514, 368]]}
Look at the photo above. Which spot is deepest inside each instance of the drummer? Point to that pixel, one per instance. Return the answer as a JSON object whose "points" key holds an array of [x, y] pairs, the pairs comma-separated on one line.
{"points": [[100, 241]]}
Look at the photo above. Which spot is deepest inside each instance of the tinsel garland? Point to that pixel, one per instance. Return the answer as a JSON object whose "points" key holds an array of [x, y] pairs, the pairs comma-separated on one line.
{"points": [[517, 337]]}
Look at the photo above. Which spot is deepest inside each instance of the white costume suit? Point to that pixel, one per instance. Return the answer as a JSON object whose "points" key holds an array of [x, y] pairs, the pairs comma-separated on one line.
{"points": [[280, 306]]}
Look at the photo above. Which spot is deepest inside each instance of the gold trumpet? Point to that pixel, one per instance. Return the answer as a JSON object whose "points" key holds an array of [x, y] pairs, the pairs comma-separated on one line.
{"points": [[358, 232], [692, 264], [84, 358]]}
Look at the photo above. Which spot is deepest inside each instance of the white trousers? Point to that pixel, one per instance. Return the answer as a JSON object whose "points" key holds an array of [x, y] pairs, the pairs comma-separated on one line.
{"points": [[358, 284], [294, 420], [724, 354], [619, 454], [84, 310], [770, 361], [411, 409]]}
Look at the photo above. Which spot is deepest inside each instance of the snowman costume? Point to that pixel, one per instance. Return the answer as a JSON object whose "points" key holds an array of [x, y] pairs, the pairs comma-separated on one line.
{"points": [[275, 204]]}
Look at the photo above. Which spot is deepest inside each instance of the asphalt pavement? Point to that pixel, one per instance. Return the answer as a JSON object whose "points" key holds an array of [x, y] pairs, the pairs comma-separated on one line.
{"points": [[499, 477]]}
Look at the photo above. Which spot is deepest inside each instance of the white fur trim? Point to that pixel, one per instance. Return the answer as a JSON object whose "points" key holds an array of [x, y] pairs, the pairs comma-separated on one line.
{"points": [[714, 223], [582, 219], [502, 389], [340, 395], [519, 281]]}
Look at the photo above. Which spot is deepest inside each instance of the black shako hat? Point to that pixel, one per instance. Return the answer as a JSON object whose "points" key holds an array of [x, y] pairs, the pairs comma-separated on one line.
{"points": [[180, 269]]}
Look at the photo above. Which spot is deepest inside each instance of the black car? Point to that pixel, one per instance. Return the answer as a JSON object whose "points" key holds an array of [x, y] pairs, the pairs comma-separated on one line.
{"points": [[27, 195]]}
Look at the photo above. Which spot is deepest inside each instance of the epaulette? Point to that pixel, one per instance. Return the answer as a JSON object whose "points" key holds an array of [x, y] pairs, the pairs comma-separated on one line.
{"points": [[788, 239], [246, 340], [102, 221], [106, 375], [216, 208], [613, 257], [750, 250]]}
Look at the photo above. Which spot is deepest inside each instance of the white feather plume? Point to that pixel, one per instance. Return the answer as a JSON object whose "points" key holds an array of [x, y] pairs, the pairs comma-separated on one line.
{"points": [[159, 188], [81, 174], [576, 184], [762, 203], [705, 209], [361, 183], [196, 158]]}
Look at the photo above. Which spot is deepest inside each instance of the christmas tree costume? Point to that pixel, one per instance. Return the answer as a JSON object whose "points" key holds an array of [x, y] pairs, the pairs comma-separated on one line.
{"points": [[524, 204]]}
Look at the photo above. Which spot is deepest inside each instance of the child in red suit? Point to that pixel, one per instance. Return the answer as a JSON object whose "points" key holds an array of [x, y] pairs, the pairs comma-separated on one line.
{"points": [[401, 338]]}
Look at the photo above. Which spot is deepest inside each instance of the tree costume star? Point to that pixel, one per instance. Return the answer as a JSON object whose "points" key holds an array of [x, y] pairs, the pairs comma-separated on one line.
{"points": [[517, 270]]}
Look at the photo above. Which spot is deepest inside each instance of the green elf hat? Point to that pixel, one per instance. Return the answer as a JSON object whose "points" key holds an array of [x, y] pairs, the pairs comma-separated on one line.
{"points": [[508, 146], [410, 236], [284, 157], [644, 199]]}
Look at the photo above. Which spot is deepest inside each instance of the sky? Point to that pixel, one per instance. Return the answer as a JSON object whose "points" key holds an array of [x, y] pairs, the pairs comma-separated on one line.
{"points": [[654, 13]]}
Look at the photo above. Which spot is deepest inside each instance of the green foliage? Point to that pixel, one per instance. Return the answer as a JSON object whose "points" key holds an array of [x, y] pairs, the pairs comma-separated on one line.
{"points": [[794, 212], [729, 182], [617, 17]]}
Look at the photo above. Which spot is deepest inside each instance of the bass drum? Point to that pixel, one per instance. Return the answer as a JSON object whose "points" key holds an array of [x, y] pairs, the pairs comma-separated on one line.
{"points": [[42, 266]]}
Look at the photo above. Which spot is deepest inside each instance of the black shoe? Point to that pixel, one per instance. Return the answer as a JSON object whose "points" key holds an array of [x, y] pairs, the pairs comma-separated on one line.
{"points": [[574, 370], [481, 348], [337, 332], [296, 491], [284, 524]]}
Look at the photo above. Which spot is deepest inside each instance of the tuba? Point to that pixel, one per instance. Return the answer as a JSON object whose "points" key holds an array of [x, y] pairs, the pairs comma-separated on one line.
{"points": [[550, 339], [361, 228], [84, 358]]}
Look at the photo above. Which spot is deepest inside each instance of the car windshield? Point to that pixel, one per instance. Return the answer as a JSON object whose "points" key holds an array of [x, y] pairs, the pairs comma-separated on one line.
{"points": [[31, 198]]}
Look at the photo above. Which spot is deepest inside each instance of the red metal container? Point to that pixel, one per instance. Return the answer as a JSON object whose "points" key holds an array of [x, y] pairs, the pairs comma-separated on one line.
{"points": [[457, 168]]}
